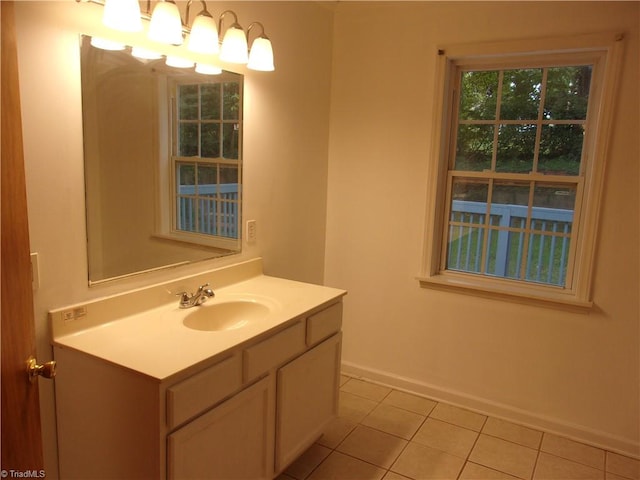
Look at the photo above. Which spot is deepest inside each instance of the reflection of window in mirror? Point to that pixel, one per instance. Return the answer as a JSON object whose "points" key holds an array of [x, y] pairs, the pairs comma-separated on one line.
{"points": [[204, 161], [131, 125]]}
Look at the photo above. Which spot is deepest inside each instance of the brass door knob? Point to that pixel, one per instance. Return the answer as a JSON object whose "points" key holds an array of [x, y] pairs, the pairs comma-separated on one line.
{"points": [[46, 370]]}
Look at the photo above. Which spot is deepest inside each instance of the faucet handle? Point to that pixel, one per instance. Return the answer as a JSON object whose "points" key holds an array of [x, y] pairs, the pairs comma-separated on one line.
{"points": [[202, 287]]}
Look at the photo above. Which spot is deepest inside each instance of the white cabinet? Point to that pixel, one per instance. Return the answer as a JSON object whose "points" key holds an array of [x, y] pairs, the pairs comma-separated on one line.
{"points": [[245, 413], [233, 440], [108, 420], [307, 399]]}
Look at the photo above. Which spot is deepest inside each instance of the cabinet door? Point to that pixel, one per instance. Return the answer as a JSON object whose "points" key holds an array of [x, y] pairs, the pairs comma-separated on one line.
{"points": [[234, 440], [307, 399]]}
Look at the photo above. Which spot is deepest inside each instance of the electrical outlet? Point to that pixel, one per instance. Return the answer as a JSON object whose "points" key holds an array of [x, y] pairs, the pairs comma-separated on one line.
{"points": [[251, 231]]}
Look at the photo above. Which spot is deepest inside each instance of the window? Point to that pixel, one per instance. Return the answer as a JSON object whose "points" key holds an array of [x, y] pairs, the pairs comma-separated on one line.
{"points": [[520, 172], [205, 161]]}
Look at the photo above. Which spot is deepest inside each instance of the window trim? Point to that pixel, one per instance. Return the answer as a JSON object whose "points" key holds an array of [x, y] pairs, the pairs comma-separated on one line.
{"points": [[608, 48]]}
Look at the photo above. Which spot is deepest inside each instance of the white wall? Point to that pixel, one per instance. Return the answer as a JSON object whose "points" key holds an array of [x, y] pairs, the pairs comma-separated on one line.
{"points": [[577, 374], [285, 155]]}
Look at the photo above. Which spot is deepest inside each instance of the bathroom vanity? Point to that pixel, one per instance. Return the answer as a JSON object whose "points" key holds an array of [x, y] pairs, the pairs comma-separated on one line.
{"points": [[238, 387]]}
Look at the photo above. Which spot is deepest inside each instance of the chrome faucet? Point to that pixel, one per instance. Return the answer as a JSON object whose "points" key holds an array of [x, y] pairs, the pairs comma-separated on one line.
{"points": [[198, 298]]}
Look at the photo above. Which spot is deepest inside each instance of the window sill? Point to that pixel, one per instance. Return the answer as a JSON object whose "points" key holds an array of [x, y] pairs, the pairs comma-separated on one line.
{"points": [[497, 289], [200, 241]]}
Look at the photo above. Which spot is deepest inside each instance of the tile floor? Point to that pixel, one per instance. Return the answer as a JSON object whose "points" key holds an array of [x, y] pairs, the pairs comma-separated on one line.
{"points": [[387, 434]]}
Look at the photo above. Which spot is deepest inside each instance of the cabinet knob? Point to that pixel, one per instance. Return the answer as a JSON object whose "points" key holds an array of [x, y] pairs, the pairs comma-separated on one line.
{"points": [[46, 370]]}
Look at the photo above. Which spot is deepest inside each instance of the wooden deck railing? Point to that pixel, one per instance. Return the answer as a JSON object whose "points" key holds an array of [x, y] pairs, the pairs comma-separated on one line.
{"points": [[213, 211], [547, 249]]}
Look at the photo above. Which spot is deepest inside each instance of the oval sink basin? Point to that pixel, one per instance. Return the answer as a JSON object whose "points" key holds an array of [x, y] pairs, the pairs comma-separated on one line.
{"points": [[222, 316]]}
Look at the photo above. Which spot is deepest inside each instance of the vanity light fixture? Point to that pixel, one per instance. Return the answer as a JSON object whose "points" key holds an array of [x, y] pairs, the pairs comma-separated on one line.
{"points": [[234, 47], [123, 15], [106, 44], [166, 23], [208, 69], [178, 62], [203, 37], [145, 54], [166, 26], [261, 54]]}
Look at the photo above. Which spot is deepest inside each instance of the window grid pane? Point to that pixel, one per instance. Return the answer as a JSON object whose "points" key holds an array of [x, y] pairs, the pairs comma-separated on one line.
{"points": [[207, 121], [527, 235], [208, 131], [530, 122], [206, 203], [514, 126]]}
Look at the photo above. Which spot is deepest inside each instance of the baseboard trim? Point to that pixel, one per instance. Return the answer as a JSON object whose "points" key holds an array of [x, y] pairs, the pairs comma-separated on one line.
{"points": [[484, 406]]}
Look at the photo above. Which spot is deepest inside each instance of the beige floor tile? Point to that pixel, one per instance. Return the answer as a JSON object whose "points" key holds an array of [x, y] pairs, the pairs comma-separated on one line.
{"points": [[394, 420], [338, 466], [512, 432], [572, 450], [550, 467], [413, 403], [355, 407], [336, 432], [473, 471], [623, 466], [446, 437], [504, 456], [307, 462], [422, 462], [416, 438], [366, 389], [373, 446], [458, 416]]}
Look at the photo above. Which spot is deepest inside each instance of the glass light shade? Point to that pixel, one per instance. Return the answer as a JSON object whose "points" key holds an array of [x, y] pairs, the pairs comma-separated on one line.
{"points": [[208, 69], [178, 62], [166, 24], [261, 55], [122, 15], [145, 54], [204, 36], [105, 44], [234, 46]]}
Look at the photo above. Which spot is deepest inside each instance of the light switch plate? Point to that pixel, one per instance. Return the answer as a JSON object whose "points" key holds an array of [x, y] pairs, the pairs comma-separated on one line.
{"points": [[251, 231]]}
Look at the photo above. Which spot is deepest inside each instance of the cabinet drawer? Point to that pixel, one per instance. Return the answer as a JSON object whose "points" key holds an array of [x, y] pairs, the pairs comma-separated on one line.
{"points": [[323, 324], [273, 351], [203, 390]]}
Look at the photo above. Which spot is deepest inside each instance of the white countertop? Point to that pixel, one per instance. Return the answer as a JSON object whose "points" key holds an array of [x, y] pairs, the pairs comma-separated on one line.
{"points": [[156, 343]]}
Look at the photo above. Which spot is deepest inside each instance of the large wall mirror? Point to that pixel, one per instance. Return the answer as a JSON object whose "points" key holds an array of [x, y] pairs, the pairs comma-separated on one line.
{"points": [[163, 163]]}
